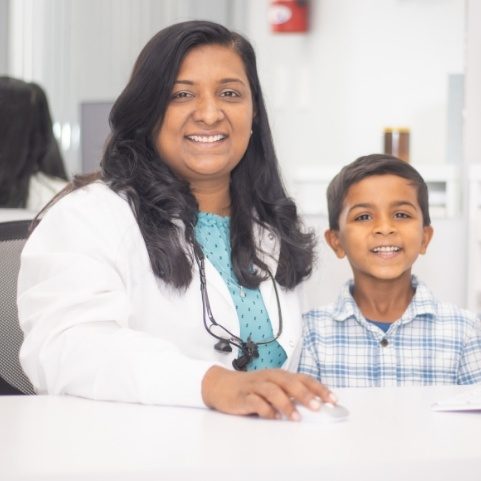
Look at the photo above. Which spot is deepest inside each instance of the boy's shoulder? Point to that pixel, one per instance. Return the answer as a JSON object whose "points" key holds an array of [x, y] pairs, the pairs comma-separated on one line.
{"points": [[318, 313], [442, 311], [343, 307], [320, 323], [447, 311]]}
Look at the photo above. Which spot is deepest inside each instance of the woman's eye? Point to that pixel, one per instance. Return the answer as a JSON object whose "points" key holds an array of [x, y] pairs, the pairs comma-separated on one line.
{"points": [[230, 93], [181, 95]]}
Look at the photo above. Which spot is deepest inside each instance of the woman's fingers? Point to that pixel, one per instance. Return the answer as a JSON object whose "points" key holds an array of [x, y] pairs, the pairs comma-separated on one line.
{"points": [[258, 405], [284, 390], [269, 393], [278, 399], [306, 390], [322, 391]]}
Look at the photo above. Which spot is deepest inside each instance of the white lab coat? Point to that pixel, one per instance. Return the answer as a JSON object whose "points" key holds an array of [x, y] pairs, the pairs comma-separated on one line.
{"points": [[100, 325]]}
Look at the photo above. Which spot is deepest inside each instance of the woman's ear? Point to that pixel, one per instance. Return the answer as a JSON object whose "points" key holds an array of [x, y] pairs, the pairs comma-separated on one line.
{"points": [[332, 239], [427, 236]]}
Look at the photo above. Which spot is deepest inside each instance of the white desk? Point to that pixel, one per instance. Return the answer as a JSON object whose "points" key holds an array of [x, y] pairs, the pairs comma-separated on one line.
{"points": [[391, 435]]}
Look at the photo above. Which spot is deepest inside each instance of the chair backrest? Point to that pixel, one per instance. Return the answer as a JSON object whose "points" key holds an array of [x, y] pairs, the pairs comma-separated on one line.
{"points": [[12, 239]]}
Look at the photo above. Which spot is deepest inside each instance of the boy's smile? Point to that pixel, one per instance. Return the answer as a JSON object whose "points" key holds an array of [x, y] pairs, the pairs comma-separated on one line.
{"points": [[381, 228]]}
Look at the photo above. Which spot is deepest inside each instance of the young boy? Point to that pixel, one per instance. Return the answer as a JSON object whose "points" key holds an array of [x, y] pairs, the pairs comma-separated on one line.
{"points": [[386, 328]]}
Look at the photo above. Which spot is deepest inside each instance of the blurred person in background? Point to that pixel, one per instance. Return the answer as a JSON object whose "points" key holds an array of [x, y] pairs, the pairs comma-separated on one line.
{"points": [[31, 166]]}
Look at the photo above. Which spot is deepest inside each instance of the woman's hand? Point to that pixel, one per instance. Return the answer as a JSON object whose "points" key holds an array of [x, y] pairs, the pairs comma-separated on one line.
{"points": [[269, 393]]}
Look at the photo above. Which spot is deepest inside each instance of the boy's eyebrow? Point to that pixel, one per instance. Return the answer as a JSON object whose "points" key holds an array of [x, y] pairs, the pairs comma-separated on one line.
{"points": [[361, 205], [401, 203], [367, 205]]}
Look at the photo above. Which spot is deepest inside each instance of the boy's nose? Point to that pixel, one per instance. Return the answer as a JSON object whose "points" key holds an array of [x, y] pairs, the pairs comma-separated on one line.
{"points": [[208, 111], [384, 227]]}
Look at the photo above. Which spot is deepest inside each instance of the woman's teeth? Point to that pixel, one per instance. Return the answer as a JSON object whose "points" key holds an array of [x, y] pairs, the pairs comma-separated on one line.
{"points": [[206, 138]]}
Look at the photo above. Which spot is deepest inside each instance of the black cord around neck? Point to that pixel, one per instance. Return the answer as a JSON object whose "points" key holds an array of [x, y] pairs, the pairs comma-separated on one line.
{"points": [[249, 349]]}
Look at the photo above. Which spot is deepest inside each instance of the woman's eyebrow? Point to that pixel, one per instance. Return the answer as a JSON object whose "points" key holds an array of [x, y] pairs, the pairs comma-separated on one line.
{"points": [[184, 82], [230, 80], [222, 81]]}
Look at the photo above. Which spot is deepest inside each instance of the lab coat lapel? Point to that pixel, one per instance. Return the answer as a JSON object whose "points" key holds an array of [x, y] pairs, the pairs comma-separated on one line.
{"points": [[268, 252]]}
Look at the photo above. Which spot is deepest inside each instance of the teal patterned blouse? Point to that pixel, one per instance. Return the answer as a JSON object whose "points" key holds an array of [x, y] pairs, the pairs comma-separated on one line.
{"points": [[212, 232]]}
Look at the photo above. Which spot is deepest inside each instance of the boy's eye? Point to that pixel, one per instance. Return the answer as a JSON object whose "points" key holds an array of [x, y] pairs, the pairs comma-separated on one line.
{"points": [[362, 217], [402, 215]]}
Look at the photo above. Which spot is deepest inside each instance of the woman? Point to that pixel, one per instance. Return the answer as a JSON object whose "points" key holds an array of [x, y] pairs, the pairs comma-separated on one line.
{"points": [[31, 167], [150, 283]]}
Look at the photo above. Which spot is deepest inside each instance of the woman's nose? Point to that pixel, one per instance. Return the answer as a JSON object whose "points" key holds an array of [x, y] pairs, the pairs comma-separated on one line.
{"points": [[208, 111]]}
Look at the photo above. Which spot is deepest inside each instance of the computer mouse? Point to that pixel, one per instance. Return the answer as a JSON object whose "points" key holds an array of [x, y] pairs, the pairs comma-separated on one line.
{"points": [[327, 413]]}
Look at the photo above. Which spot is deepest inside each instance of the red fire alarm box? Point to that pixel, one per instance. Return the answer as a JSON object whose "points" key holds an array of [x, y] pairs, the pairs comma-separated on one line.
{"points": [[289, 16]]}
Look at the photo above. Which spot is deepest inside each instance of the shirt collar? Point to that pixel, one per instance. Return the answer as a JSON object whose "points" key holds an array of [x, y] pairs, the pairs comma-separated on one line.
{"points": [[423, 304]]}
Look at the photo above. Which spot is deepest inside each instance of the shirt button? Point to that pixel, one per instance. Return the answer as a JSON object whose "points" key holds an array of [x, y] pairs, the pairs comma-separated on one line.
{"points": [[291, 343], [384, 342], [270, 236]]}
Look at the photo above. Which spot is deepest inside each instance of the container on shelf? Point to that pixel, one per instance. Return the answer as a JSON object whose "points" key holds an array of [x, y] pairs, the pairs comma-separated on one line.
{"points": [[396, 142]]}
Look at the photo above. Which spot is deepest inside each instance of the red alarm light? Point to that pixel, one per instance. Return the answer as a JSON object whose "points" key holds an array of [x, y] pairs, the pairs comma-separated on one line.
{"points": [[289, 16]]}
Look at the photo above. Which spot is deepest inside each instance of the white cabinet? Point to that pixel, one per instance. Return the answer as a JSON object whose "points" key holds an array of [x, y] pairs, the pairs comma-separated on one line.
{"points": [[474, 239]]}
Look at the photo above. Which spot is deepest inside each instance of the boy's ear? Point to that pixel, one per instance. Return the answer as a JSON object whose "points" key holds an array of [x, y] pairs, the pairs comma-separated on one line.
{"points": [[332, 238], [427, 236]]}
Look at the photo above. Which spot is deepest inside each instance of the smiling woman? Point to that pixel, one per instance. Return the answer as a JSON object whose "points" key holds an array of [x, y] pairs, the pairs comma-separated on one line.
{"points": [[207, 123], [148, 281]]}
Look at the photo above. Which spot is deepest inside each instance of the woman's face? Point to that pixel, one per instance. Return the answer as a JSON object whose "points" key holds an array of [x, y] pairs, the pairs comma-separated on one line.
{"points": [[207, 124]]}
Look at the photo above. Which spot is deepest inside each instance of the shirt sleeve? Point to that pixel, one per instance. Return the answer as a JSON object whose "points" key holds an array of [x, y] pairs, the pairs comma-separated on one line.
{"points": [[308, 363], [470, 363], [74, 310]]}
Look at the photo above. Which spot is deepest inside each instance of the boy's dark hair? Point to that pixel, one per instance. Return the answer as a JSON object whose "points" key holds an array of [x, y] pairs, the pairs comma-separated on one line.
{"points": [[374, 164]]}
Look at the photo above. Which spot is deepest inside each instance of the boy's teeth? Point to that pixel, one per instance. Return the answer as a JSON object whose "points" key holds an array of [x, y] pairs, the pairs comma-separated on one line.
{"points": [[386, 249], [206, 138]]}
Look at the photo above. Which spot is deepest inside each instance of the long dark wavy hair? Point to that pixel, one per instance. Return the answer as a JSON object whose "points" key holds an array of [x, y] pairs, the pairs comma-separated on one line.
{"points": [[163, 203], [27, 143]]}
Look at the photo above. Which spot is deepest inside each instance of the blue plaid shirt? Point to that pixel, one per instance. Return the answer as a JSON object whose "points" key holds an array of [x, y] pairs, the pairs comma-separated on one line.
{"points": [[432, 343]]}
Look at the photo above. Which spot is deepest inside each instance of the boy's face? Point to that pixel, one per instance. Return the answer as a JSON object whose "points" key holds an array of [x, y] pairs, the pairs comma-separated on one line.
{"points": [[380, 228]]}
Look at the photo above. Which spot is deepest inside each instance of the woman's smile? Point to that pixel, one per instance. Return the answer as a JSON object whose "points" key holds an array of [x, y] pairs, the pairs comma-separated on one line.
{"points": [[212, 142], [206, 127], [212, 139]]}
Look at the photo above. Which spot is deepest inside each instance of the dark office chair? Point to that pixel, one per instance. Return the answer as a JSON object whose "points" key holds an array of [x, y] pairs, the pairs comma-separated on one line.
{"points": [[12, 238]]}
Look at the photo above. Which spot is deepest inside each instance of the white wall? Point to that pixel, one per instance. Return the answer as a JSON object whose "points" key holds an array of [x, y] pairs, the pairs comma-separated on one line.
{"points": [[3, 36], [472, 152], [472, 112], [364, 65], [84, 50]]}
